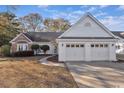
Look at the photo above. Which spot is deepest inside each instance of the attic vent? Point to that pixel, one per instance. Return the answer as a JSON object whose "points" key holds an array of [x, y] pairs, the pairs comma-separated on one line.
{"points": [[87, 24]]}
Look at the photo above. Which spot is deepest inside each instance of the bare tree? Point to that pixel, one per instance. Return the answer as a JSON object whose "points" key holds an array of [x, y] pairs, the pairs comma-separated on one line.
{"points": [[31, 22]]}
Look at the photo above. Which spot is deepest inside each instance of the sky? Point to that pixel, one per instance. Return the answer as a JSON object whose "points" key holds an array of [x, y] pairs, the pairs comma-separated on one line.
{"points": [[111, 16]]}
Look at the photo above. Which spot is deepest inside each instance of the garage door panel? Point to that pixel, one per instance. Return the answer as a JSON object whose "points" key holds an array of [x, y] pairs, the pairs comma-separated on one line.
{"points": [[74, 54], [99, 54]]}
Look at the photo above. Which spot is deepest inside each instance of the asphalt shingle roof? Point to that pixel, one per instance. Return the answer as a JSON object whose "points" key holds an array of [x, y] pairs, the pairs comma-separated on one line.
{"points": [[51, 36], [42, 36], [118, 33], [87, 37]]}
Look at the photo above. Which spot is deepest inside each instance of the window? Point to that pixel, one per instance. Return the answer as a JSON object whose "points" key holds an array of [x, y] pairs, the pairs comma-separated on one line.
{"points": [[118, 46], [101, 45], [68, 45], [77, 45], [92, 45], [81, 45], [62, 45], [72, 45], [105, 45], [22, 47], [96, 45]]}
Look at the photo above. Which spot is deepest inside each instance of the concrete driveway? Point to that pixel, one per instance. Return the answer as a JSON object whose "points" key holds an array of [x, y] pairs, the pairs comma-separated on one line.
{"points": [[97, 74]]}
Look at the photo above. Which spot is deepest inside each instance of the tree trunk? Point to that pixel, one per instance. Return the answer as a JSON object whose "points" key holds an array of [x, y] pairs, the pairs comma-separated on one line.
{"points": [[45, 52]]}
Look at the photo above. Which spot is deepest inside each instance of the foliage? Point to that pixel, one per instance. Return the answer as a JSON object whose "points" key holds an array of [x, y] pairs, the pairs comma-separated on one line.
{"points": [[31, 22], [35, 47], [45, 48], [5, 50], [59, 24], [23, 53], [8, 27]]}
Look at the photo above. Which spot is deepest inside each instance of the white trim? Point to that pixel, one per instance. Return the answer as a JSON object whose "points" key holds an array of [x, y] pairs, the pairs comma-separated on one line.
{"points": [[94, 19], [87, 40], [19, 36], [24, 41], [119, 38]]}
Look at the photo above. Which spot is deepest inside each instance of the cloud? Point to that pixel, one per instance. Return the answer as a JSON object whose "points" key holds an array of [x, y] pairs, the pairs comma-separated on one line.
{"points": [[84, 6], [50, 10], [91, 9], [100, 14], [103, 6], [72, 16], [121, 7], [43, 6], [88, 8], [114, 22], [75, 15]]}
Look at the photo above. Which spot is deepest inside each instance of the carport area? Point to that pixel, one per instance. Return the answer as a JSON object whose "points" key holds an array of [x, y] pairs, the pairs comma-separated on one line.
{"points": [[97, 74]]}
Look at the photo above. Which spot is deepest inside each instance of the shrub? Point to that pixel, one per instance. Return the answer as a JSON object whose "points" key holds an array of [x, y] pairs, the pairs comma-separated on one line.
{"points": [[35, 47], [5, 50], [23, 53], [45, 48]]}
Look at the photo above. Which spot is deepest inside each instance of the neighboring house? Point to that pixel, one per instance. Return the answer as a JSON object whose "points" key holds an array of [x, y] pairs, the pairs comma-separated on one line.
{"points": [[23, 41], [120, 41], [86, 40]]}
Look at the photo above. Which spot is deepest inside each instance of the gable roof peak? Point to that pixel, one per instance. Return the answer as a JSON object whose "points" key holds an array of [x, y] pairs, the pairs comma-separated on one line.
{"points": [[88, 14]]}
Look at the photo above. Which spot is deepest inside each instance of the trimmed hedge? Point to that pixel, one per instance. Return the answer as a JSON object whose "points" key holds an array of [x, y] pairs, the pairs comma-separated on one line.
{"points": [[23, 53], [45, 48]]}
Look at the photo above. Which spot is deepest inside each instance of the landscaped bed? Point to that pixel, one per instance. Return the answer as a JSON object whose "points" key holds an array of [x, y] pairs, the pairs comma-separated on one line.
{"points": [[54, 59], [27, 72]]}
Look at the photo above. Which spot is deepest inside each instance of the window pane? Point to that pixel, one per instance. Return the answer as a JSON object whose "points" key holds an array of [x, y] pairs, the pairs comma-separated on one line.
{"points": [[105, 45], [22, 47], [68, 45], [77, 45], [96, 45], [82, 45], [92, 45], [62, 44], [101, 45], [72, 45]]}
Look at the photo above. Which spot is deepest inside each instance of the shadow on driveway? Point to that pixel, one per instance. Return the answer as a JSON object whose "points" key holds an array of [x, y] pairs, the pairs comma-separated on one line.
{"points": [[97, 74]]}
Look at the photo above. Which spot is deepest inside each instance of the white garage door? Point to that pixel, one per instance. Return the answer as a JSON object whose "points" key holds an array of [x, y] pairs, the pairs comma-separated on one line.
{"points": [[99, 52], [75, 52]]}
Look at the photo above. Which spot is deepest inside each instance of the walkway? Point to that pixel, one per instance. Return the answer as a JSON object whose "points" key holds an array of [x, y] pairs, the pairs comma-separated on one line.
{"points": [[46, 62]]}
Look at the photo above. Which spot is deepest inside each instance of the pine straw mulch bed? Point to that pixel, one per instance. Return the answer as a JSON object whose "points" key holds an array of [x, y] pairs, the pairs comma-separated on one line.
{"points": [[54, 59], [28, 73]]}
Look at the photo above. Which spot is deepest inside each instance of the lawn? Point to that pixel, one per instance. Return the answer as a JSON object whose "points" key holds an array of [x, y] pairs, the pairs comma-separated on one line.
{"points": [[28, 73]]}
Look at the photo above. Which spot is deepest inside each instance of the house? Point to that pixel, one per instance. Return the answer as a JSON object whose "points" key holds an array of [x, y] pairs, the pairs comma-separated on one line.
{"points": [[24, 41], [120, 41], [86, 40]]}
